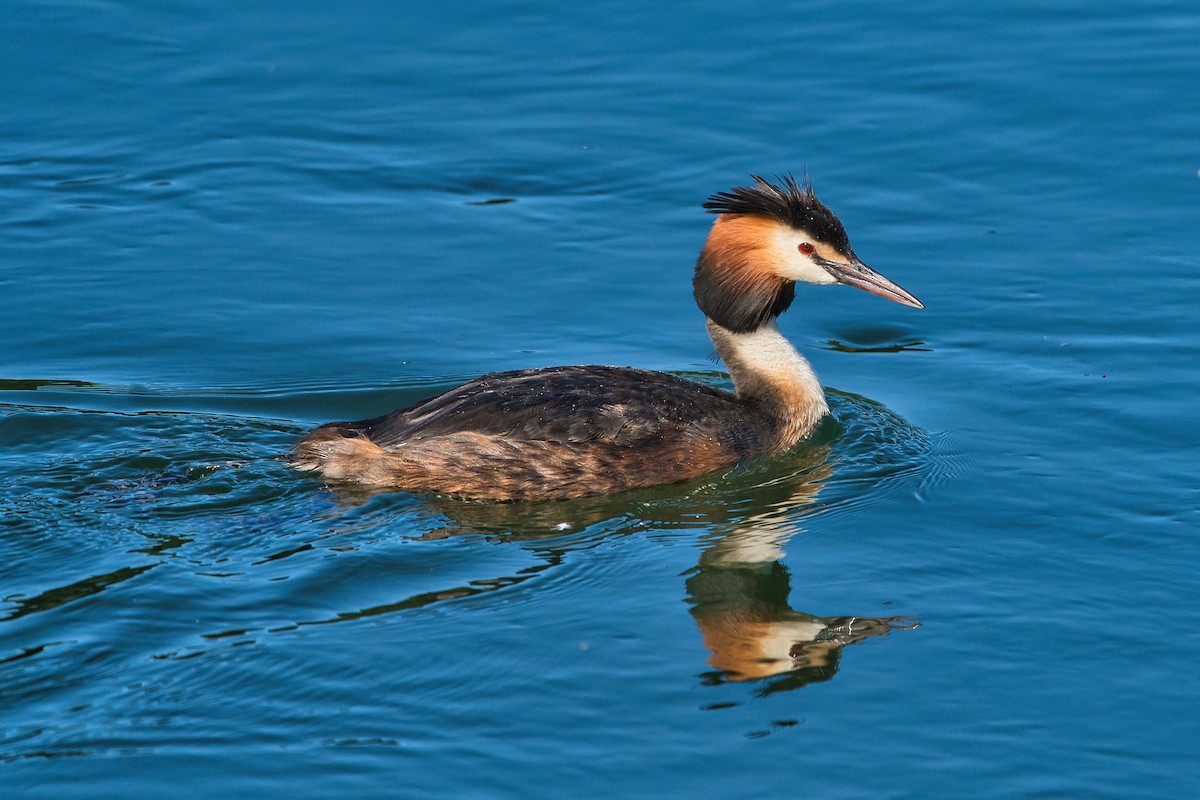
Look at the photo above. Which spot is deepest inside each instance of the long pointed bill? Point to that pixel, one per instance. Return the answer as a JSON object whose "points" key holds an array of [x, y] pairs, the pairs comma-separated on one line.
{"points": [[860, 276]]}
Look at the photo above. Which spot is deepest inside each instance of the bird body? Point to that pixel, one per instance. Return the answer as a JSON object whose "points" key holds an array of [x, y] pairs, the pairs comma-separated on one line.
{"points": [[564, 432]]}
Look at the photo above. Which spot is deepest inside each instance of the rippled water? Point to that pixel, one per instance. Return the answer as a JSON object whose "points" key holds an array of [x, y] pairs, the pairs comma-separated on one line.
{"points": [[213, 572], [222, 226]]}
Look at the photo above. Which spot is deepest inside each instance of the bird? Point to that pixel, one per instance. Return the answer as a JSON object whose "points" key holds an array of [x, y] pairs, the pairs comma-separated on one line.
{"points": [[558, 433]]}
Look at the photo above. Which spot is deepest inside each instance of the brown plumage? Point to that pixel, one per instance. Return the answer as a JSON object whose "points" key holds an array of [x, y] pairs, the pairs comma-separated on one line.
{"points": [[564, 432]]}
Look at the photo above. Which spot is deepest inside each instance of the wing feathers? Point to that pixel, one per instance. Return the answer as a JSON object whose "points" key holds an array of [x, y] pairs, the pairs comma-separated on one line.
{"points": [[619, 405]]}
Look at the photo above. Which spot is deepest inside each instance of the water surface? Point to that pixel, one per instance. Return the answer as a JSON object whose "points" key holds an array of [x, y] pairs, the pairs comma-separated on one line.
{"points": [[223, 226]]}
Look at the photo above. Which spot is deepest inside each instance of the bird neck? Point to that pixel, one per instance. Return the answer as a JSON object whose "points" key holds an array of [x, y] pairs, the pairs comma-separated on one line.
{"points": [[768, 372]]}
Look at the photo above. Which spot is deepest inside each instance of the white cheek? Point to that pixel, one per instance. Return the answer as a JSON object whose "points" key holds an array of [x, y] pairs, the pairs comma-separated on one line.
{"points": [[794, 265], [799, 267]]}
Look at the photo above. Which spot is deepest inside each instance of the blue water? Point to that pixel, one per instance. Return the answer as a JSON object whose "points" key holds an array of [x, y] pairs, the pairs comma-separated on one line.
{"points": [[222, 225]]}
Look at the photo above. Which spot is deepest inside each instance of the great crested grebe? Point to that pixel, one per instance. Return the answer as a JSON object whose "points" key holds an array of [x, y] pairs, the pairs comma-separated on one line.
{"points": [[562, 432]]}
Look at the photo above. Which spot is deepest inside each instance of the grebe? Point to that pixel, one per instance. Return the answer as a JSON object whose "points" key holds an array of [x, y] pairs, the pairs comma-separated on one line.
{"points": [[563, 432]]}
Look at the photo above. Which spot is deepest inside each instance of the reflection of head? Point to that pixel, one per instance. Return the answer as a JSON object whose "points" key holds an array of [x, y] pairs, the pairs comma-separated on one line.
{"points": [[743, 615], [748, 649], [742, 610], [739, 593]]}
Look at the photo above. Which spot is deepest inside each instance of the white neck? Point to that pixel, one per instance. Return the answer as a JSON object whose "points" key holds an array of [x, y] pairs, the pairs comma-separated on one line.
{"points": [[765, 367]]}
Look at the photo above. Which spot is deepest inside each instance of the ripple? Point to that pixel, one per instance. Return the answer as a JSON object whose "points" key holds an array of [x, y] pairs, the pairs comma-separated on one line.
{"points": [[877, 454], [147, 542]]}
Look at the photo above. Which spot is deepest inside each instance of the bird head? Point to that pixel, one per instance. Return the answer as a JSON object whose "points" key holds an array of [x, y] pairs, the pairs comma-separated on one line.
{"points": [[766, 238]]}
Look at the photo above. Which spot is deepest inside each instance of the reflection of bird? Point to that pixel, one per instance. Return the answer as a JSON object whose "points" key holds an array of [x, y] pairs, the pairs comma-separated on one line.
{"points": [[563, 432], [743, 614], [739, 594]]}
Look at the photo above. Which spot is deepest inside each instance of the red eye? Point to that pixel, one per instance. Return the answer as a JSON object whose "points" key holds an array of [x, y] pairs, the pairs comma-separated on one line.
{"points": [[806, 248]]}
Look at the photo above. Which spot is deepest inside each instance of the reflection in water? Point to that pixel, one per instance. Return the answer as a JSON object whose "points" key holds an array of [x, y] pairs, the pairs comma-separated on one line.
{"points": [[62, 595], [738, 591], [898, 347], [743, 614], [739, 596]]}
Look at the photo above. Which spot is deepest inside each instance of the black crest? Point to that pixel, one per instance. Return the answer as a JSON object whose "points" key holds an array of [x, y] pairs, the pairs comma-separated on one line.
{"points": [[787, 201]]}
